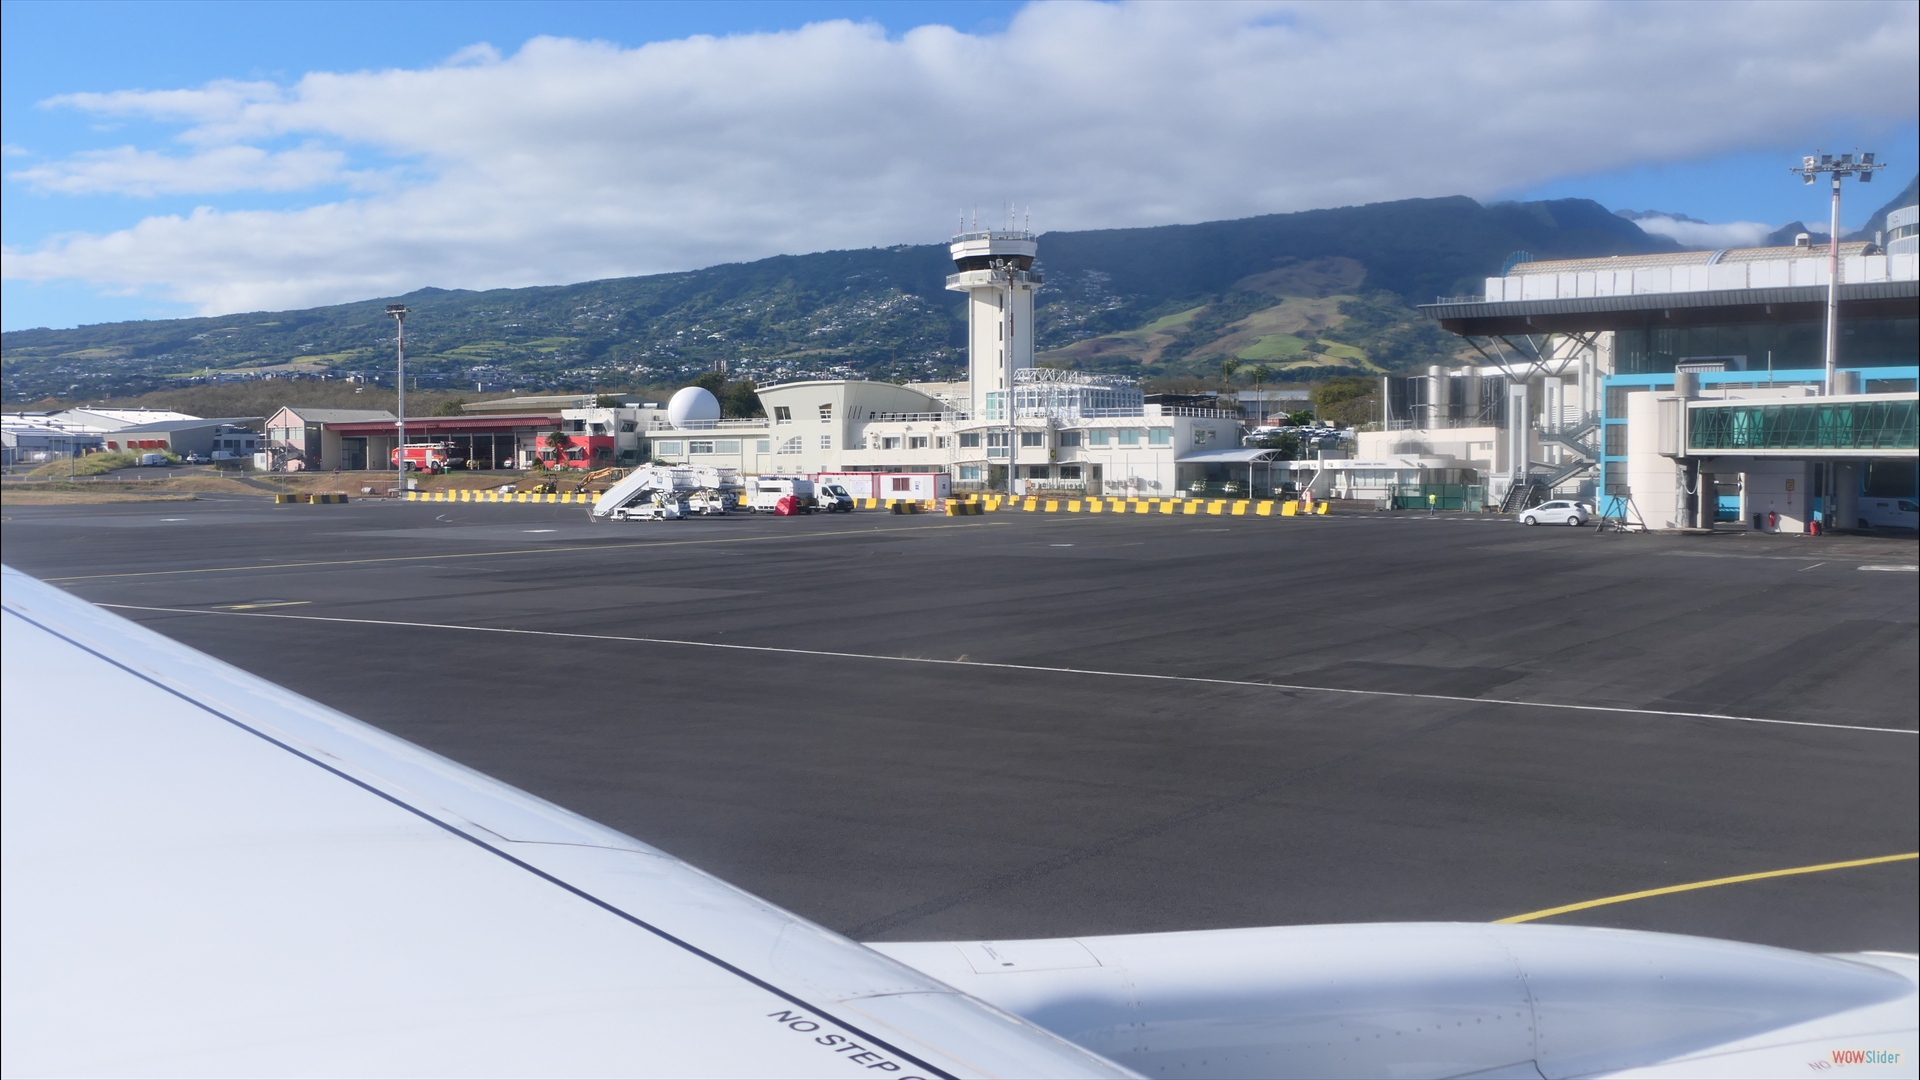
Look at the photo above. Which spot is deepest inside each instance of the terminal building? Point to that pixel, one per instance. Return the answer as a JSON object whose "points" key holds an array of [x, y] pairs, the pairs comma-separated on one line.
{"points": [[1681, 390]]}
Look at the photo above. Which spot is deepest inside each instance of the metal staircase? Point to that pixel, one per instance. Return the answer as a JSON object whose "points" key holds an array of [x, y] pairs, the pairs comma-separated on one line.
{"points": [[1521, 496]]}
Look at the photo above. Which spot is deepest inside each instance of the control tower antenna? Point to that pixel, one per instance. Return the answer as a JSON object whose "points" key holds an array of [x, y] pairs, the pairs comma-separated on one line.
{"points": [[995, 269]]}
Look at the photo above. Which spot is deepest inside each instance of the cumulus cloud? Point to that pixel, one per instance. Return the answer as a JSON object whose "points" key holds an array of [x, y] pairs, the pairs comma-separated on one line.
{"points": [[1702, 234], [569, 160]]}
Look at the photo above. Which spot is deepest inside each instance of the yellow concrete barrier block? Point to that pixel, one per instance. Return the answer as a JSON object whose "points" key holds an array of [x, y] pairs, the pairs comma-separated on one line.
{"points": [[1216, 507], [1240, 507], [1051, 506], [1265, 509], [1289, 508], [1191, 506], [1073, 506], [1320, 508], [281, 500]]}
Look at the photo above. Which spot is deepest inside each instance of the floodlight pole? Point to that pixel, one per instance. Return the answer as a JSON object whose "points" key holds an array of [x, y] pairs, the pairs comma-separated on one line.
{"points": [[1838, 168], [399, 314]]}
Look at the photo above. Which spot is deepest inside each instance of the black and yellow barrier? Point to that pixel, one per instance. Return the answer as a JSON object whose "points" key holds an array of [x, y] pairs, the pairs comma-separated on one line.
{"points": [[965, 507], [282, 500], [331, 497], [470, 495], [1061, 504], [902, 506], [327, 497]]}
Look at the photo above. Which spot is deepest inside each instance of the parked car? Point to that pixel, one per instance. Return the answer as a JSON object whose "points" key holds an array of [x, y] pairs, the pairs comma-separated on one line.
{"points": [[195, 458], [1557, 512]]}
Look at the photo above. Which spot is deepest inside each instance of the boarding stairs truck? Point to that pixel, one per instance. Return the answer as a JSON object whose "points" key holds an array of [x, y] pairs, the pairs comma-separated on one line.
{"points": [[720, 490], [637, 489]]}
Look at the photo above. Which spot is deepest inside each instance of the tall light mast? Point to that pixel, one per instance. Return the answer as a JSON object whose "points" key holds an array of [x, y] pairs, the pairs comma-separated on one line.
{"points": [[399, 314], [995, 269], [1839, 168]]}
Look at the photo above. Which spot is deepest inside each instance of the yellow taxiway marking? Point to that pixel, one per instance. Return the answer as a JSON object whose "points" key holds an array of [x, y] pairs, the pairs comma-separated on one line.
{"points": [[516, 551], [1734, 880], [1000, 666], [264, 604]]}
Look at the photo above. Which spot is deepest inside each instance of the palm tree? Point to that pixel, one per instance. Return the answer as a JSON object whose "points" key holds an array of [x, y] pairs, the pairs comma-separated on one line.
{"points": [[557, 441], [1228, 365], [1261, 373]]}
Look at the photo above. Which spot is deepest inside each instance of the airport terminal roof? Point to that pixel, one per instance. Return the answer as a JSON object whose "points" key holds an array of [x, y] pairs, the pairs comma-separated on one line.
{"points": [[1683, 258]]}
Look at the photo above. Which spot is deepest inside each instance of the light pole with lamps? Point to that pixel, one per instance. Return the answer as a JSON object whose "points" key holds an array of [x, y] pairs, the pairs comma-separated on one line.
{"points": [[399, 313], [1839, 168]]}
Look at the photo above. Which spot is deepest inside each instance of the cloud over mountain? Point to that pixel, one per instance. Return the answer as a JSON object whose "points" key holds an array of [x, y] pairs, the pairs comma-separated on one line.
{"points": [[569, 160]]}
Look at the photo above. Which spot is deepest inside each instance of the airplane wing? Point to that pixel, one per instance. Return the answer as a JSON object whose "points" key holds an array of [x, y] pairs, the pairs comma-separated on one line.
{"points": [[208, 875]]}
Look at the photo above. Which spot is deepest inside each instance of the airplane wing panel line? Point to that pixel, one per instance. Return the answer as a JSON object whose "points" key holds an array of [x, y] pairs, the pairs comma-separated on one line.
{"points": [[508, 857]]}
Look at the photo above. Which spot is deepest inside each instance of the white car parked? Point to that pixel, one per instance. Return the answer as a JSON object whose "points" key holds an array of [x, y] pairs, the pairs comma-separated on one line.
{"points": [[1557, 512]]}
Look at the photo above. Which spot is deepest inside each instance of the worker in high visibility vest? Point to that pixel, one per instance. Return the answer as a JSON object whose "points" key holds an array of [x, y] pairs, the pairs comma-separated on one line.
{"points": [[1433, 504]]}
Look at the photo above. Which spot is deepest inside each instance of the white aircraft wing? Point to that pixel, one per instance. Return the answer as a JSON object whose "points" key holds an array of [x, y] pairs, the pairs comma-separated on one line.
{"points": [[208, 875]]}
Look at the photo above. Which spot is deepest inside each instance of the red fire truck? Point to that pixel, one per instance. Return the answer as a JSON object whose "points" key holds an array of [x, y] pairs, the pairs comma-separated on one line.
{"points": [[426, 457]]}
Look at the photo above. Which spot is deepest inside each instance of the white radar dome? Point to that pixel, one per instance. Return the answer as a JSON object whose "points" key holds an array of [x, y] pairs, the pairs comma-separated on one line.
{"points": [[692, 404]]}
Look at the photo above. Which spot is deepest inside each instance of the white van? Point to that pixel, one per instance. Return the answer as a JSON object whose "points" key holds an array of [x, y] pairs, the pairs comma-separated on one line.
{"points": [[1889, 513], [769, 490], [153, 460]]}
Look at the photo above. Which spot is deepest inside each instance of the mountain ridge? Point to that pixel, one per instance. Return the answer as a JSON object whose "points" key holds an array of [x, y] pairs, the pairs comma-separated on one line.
{"points": [[873, 312]]}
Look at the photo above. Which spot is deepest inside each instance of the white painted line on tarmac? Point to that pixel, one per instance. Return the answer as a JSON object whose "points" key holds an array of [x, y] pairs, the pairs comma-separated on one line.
{"points": [[1895, 569], [403, 624]]}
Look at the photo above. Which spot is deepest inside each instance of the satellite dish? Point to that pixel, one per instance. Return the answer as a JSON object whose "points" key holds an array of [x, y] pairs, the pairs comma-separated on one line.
{"points": [[692, 404]]}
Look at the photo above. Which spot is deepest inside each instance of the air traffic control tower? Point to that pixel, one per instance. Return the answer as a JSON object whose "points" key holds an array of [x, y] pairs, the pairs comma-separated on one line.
{"points": [[995, 270]]}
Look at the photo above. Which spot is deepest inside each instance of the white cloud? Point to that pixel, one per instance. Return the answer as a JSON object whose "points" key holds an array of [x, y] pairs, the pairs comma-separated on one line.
{"points": [[571, 160], [1701, 234], [127, 171]]}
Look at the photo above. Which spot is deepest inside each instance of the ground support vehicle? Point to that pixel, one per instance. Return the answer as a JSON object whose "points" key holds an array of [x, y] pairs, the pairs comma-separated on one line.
{"points": [[638, 487], [769, 490], [709, 503], [659, 506], [832, 499]]}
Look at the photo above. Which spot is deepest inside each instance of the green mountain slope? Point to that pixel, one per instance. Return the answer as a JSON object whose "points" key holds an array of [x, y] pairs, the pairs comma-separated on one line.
{"points": [[1333, 285]]}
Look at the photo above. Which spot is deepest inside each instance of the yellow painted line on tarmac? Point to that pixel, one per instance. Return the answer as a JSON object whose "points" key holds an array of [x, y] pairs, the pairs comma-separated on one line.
{"points": [[1689, 887], [516, 551]]}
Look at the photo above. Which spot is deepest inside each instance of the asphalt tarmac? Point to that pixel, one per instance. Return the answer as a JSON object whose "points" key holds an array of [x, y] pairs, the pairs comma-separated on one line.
{"points": [[1027, 725]]}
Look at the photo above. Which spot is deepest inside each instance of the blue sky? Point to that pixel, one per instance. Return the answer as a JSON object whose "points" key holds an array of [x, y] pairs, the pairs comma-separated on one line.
{"points": [[225, 156]]}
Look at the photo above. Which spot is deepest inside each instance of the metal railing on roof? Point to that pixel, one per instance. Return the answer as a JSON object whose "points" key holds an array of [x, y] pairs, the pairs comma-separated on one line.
{"points": [[918, 417], [707, 425]]}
